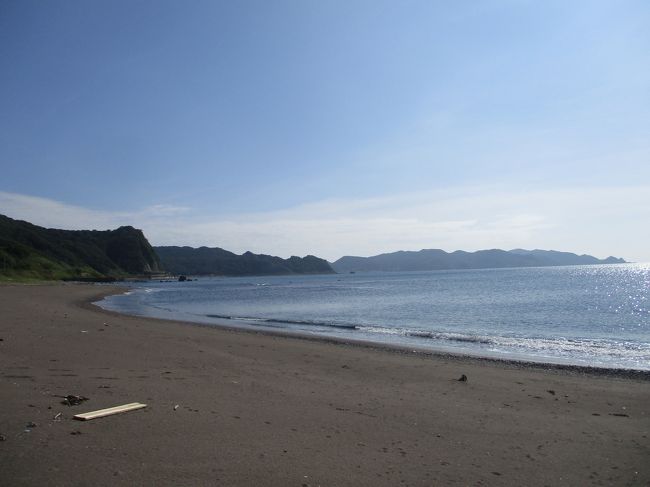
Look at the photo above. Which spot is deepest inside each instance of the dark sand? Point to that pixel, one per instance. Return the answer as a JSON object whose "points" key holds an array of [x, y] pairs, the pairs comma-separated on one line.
{"points": [[266, 410]]}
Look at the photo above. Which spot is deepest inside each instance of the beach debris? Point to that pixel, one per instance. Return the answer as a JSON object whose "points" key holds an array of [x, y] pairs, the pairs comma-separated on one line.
{"points": [[100, 413], [620, 415], [75, 432], [58, 415], [72, 400], [3, 438], [463, 378], [551, 392], [176, 407], [29, 426]]}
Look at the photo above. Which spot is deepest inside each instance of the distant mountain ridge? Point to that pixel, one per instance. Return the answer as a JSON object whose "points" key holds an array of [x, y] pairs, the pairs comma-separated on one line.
{"points": [[30, 251], [436, 259], [217, 261]]}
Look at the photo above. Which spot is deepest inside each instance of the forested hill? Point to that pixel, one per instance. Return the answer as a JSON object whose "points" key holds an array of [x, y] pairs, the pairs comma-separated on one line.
{"points": [[216, 261], [435, 259], [30, 251]]}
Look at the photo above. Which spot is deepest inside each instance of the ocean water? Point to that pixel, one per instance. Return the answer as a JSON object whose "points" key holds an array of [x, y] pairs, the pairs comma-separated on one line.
{"points": [[581, 315]]}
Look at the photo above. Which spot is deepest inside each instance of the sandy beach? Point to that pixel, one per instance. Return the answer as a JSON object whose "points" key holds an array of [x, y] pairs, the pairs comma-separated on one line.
{"points": [[258, 409]]}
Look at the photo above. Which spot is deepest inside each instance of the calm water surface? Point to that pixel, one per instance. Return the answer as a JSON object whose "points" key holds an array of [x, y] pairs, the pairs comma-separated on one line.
{"points": [[584, 315]]}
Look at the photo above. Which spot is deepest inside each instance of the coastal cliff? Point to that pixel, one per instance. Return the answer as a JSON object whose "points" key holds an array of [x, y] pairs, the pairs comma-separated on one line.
{"points": [[29, 251]]}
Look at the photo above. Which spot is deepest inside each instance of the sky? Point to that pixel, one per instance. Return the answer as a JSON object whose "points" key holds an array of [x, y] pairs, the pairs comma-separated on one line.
{"points": [[331, 127]]}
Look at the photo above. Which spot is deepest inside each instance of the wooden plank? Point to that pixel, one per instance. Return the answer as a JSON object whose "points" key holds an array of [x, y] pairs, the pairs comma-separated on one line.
{"points": [[100, 413]]}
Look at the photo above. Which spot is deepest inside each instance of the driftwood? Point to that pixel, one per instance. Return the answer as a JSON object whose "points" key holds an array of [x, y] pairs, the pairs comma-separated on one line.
{"points": [[100, 413]]}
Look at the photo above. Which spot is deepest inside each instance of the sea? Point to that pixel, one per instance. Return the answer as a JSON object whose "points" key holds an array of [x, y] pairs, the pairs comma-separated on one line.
{"points": [[596, 316]]}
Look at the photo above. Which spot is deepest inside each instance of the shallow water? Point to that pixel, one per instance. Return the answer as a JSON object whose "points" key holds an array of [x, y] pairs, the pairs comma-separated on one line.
{"points": [[581, 315]]}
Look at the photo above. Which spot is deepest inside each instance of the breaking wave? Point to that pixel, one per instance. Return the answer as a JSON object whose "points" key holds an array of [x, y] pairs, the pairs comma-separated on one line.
{"points": [[548, 347], [557, 346], [285, 322]]}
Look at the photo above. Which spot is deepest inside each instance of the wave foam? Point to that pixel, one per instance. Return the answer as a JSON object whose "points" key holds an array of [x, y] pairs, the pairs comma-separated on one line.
{"points": [[599, 349]]}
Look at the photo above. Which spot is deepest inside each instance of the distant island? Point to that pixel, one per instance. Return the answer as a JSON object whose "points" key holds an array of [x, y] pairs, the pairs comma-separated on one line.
{"points": [[436, 259], [216, 261]]}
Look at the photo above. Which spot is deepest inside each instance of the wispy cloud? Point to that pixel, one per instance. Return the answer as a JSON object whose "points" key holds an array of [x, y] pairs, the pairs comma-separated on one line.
{"points": [[600, 221], [55, 214]]}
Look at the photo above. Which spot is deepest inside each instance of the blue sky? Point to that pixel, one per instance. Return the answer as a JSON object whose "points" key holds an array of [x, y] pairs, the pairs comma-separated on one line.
{"points": [[332, 128]]}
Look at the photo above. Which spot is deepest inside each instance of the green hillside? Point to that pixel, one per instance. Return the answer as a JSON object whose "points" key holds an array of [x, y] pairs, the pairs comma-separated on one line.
{"points": [[31, 252]]}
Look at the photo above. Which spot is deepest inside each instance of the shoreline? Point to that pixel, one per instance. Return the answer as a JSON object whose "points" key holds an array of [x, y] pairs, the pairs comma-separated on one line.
{"points": [[234, 407], [638, 374]]}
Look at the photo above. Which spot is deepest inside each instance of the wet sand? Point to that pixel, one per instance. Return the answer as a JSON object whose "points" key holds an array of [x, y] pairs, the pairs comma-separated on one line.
{"points": [[257, 409]]}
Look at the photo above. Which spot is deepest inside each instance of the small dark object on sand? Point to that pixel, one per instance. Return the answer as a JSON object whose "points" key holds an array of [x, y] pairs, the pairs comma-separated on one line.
{"points": [[463, 378], [77, 432], [31, 424], [551, 392], [71, 400], [3, 438]]}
